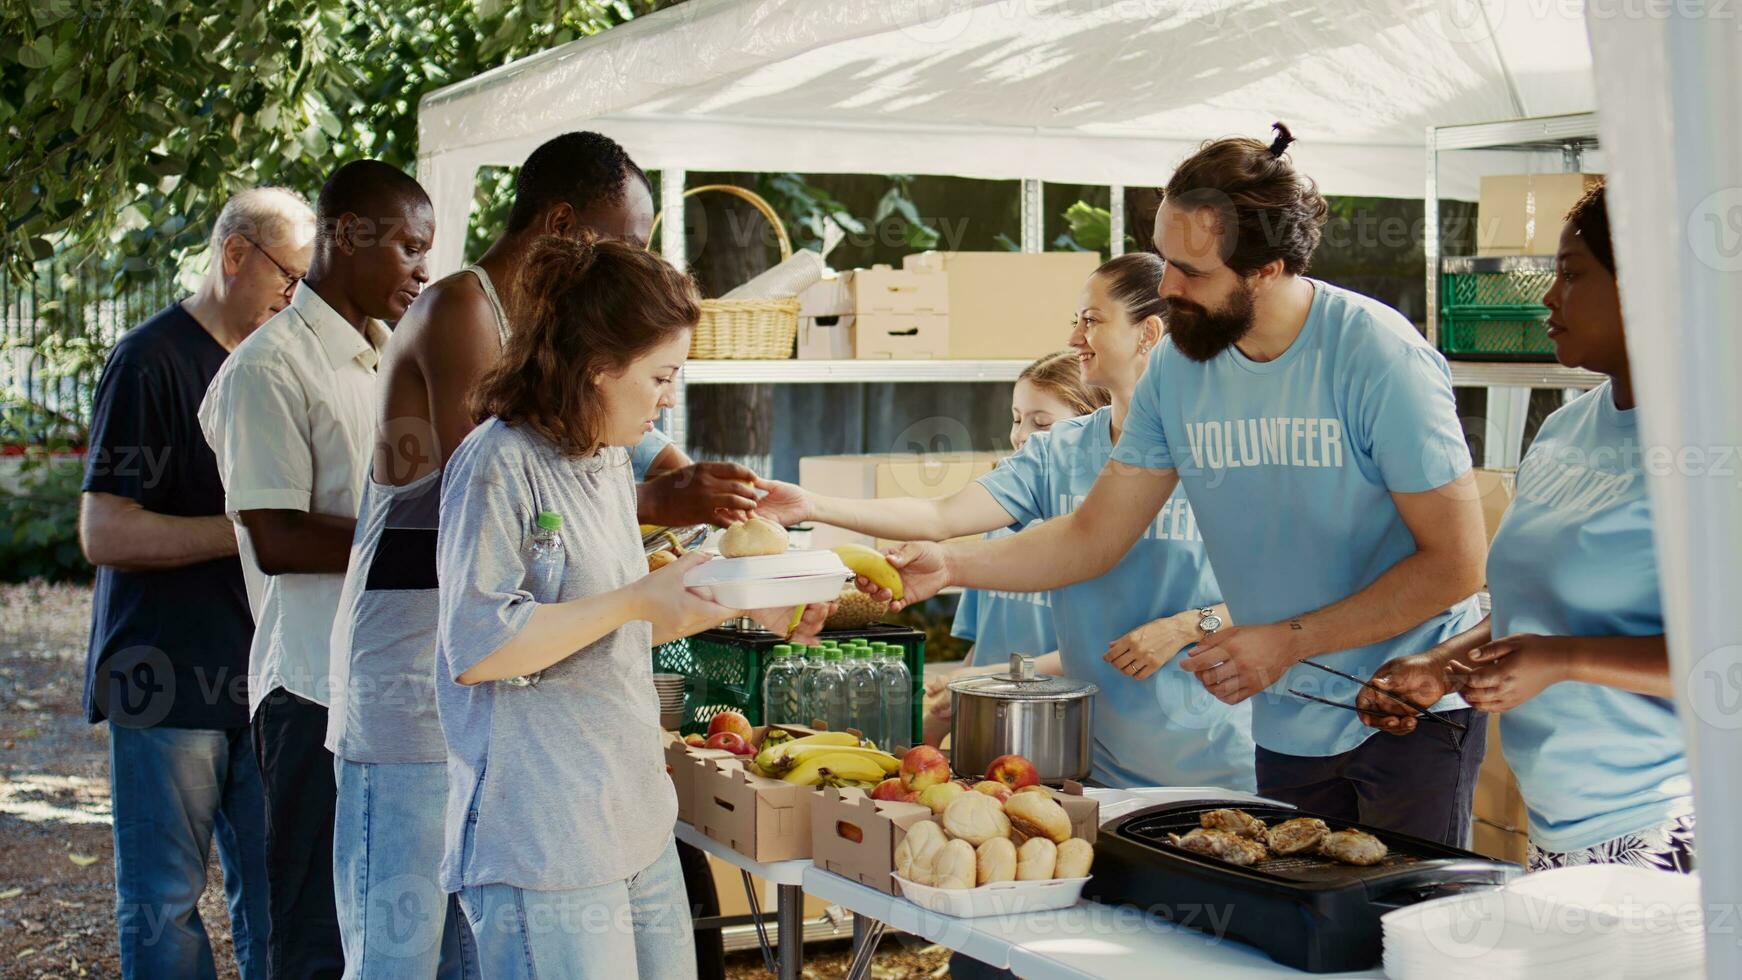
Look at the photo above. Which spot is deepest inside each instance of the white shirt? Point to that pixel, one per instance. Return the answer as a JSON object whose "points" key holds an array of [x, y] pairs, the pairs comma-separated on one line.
{"points": [[291, 419]]}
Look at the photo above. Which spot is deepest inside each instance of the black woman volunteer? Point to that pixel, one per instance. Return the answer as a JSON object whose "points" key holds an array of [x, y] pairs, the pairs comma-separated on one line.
{"points": [[1154, 723], [1573, 657]]}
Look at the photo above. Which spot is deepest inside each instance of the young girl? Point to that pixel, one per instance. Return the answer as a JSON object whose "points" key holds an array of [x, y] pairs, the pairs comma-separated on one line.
{"points": [[1154, 724], [1573, 656], [559, 816], [1002, 623]]}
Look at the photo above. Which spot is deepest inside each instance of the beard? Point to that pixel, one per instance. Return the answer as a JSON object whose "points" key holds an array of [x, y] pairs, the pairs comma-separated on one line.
{"points": [[1200, 333]]}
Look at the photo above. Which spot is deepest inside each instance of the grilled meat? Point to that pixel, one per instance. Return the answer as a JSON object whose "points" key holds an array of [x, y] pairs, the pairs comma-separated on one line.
{"points": [[1302, 835], [1219, 844], [1234, 822], [1353, 847]]}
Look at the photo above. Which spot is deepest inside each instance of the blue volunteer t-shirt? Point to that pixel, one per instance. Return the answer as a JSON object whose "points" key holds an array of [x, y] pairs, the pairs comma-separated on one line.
{"points": [[1166, 730], [643, 454], [1290, 465], [1002, 623], [1573, 557]]}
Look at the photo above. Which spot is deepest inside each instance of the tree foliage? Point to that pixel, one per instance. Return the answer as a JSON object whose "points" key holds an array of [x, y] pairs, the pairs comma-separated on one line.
{"points": [[125, 123]]}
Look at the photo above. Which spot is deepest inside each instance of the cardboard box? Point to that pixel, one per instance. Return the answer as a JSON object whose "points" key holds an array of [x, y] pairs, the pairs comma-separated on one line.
{"points": [[1501, 823], [1009, 304], [679, 765], [1522, 214], [901, 336], [877, 475], [855, 836], [1495, 488], [825, 319], [881, 289], [763, 819]]}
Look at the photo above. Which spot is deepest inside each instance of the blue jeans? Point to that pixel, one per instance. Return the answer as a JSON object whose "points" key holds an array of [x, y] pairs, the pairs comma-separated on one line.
{"points": [[638, 927], [171, 788], [387, 854]]}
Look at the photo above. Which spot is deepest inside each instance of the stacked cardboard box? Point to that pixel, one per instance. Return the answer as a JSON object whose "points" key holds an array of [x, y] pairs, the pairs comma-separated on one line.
{"points": [[1523, 214]]}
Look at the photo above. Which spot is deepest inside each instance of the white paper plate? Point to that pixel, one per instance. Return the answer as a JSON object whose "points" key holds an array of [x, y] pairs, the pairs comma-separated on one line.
{"points": [[789, 565], [1000, 898], [776, 593]]}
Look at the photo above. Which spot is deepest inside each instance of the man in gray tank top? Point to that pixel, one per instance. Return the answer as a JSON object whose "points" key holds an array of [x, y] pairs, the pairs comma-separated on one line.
{"points": [[383, 725]]}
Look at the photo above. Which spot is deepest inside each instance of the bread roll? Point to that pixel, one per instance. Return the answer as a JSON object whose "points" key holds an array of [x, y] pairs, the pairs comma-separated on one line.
{"points": [[922, 841], [1037, 860], [955, 866], [997, 861], [1074, 858], [1034, 815], [756, 536], [975, 818]]}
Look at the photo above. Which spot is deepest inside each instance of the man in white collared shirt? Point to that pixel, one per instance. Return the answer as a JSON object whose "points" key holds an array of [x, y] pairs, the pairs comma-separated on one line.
{"points": [[290, 418]]}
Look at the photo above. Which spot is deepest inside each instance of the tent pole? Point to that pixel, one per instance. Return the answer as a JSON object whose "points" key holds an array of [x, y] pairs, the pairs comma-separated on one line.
{"points": [[1116, 220], [673, 246], [1033, 215]]}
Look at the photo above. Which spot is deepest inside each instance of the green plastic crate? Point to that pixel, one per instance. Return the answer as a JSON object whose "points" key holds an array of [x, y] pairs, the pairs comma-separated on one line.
{"points": [[1501, 336], [723, 670]]}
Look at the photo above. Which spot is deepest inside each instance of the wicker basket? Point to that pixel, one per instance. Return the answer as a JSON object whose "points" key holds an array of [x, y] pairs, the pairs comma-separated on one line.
{"points": [[746, 329]]}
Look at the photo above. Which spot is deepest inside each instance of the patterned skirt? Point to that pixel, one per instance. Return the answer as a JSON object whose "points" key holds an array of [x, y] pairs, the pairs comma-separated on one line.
{"points": [[1665, 847]]}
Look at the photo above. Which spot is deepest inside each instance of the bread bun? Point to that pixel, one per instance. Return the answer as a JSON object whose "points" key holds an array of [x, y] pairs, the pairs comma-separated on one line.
{"points": [[975, 818], [756, 536], [1074, 858], [955, 866], [1036, 860], [922, 842], [997, 861], [1034, 815]]}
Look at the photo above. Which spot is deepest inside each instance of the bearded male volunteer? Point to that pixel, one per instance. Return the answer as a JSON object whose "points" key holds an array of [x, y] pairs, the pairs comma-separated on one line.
{"points": [[1315, 434]]}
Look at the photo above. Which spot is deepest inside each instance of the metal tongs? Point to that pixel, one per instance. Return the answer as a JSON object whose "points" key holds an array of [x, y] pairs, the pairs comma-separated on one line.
{"points": [[1420, 711]]}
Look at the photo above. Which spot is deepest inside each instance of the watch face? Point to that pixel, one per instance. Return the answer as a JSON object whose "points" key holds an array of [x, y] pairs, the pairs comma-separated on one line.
{"points": [[1210, 623]]}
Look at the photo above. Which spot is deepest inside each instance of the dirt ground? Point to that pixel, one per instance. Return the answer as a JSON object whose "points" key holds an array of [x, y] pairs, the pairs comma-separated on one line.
{"points": [[57, 859]]}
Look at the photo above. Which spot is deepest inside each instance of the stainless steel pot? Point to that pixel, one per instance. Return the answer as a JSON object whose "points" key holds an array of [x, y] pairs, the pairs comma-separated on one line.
{"points": [[1044, 719]]}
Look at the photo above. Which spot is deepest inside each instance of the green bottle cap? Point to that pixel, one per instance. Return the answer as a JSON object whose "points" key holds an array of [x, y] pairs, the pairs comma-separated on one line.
{"points": [[834, 655], [782, 650], [550, 520]]}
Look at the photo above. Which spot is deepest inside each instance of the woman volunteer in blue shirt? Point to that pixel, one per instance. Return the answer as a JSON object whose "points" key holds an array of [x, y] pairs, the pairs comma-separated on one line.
{"points": [[1002, 623], [1154, 724], [1573, 657]]}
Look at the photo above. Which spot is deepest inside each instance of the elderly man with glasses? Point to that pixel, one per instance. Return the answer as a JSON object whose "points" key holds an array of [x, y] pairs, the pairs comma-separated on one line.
{"points": [[170, 624]]}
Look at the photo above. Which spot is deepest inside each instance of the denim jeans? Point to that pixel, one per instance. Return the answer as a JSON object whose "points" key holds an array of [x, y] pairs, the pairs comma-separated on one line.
{"points": [[171, 789], [638, 927], [387, 853]]}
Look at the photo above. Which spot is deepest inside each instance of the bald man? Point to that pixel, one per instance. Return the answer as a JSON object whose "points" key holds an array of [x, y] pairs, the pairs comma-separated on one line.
{"points": [[169, 675], [290, 418]]}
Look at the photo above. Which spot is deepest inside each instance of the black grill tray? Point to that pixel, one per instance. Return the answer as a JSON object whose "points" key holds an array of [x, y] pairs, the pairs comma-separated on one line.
{"points": [[1307, 912]]}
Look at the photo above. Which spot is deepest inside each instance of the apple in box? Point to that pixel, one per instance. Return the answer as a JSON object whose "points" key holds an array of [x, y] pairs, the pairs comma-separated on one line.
{"points": [[1013, 771], [922, 768], [731, 721], [730, 742]]}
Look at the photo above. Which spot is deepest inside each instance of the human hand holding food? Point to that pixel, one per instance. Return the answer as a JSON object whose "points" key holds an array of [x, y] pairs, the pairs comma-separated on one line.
{"points": [[921, 572], [1240, 661], [1421, 678], [700, 493], [674, 609], [800, 624], [1514, 669], [1148, 648], [785, 504]]}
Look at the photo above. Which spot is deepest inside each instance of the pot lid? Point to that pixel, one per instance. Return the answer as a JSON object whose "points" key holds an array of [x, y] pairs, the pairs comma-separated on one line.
{"points": [[1021, 683]]}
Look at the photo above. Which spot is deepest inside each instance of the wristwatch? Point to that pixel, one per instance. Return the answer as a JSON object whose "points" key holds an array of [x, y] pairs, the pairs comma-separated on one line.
{"points": [[1208, 621]]}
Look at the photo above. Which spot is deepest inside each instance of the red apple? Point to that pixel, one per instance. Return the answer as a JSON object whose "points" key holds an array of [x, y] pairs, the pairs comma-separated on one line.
{"points": [[996, 790], [940, 796], [849, 832], [1013, 771], [694, 739], [892, 790], [922, 768], [730, 721], [730, 742]]}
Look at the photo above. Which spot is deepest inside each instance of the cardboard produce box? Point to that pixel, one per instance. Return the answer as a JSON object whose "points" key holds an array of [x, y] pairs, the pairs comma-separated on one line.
{"points": [[901, 336], [1009, 304], [878, 475], [679, 765], [855, 836], [761, 818], [882, 289], [1522, 214], [825, 319]]}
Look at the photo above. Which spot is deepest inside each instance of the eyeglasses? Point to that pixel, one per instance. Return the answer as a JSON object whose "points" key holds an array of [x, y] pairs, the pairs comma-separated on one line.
{"points": [[290, 278]]}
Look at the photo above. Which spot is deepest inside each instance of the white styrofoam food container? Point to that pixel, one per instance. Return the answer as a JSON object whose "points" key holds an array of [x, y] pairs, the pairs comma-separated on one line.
{"points": [[998, 898], [771, 581]]}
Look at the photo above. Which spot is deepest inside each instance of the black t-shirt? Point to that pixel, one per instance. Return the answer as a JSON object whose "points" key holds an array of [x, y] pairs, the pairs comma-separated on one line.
{"points": [[168, 647]]}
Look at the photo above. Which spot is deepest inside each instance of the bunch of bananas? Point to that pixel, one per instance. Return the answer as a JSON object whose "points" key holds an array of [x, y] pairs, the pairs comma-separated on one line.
{"points": [[823, 759]]}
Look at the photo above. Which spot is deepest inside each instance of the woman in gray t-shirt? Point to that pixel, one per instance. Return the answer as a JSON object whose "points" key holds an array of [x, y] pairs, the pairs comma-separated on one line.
{"points": [[559, 814]]}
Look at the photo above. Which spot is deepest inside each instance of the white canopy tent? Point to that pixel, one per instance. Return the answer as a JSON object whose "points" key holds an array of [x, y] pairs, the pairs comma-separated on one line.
{"points": [[1080, 91], [1117, 91]]}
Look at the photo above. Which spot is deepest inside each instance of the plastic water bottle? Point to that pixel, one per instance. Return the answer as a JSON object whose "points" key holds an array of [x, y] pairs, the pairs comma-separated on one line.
{"points": [[897, 695], [782, 694], [865, 697], [544, 571], [829, 691], [809, 660]]}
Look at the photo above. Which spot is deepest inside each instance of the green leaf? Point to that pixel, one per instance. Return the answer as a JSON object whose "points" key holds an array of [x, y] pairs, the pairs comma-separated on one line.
{"points": [[40, 249], [36, 54]]}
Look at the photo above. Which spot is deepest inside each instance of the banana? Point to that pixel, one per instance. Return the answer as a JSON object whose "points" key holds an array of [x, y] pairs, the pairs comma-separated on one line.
{"points": [[840, 765], [872, 565], [775, 757], [797, 617], [888, 763]]}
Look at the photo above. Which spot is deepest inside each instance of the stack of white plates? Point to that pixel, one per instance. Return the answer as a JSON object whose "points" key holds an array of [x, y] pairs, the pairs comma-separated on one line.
{"points": [[1662, 922], [1501, 935], [672, 700]]}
